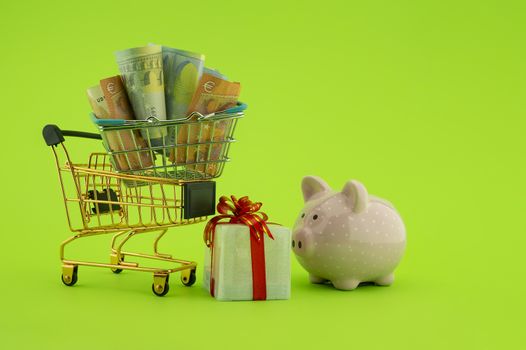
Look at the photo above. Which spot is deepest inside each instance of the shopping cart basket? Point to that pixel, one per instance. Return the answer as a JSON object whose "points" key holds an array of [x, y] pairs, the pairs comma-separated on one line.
{"points": [[194, 148], [138, 200]]}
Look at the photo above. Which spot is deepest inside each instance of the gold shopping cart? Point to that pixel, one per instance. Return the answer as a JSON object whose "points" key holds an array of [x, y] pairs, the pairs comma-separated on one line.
{"points": [[154, 175]]}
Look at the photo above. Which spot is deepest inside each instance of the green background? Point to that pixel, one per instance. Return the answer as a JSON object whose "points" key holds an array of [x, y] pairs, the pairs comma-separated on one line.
{"points": [[422, 101]]}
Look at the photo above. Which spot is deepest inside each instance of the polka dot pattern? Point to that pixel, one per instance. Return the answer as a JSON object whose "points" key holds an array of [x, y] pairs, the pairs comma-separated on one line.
{"points": [[343, 246]]}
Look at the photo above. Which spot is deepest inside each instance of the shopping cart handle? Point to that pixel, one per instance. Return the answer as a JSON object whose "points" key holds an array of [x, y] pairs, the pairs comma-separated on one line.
{"points": [[53, 135], [239, 107]]}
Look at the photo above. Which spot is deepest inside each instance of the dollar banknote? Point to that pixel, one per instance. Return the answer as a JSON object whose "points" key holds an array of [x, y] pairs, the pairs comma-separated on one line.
{"points": [[98, 102], [137, 154], [182, 71], [142, 73], [213, 94]]}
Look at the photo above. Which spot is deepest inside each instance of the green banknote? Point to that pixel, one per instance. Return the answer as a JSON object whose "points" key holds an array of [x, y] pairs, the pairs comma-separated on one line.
{"points": [[182, 71], [142, 73]]}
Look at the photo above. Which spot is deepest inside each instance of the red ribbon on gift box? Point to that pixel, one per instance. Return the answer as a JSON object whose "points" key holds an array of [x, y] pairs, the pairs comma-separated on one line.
{"points": [[246, 212]]}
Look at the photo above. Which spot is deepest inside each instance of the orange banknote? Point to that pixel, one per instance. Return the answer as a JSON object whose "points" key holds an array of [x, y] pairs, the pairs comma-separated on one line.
{"points": [[135, 156], [213, 94]]}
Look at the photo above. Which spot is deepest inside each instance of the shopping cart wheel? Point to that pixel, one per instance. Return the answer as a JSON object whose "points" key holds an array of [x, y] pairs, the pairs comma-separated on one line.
{"points": [[117, 270], [114, 261], [160, 285], [69, 275], [188, 278], [160, 291]]}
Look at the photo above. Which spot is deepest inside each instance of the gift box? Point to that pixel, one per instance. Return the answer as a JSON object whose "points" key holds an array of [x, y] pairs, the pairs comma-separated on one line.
{"points": [[246, 259]]}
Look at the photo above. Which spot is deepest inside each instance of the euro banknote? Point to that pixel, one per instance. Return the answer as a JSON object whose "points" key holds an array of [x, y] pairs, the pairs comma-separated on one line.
{"points": [[182, 71], [137, 154], [213, 94], [100, 110], [214, 72], [116, 98]]}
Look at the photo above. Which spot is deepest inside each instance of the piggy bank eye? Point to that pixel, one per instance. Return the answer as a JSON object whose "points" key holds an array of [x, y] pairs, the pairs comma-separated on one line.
{"points": [[302, 215], [315, 217]]}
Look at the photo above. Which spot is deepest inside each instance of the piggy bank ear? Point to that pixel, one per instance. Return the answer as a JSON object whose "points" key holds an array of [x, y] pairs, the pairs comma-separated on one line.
{"points": [[312, 186], [357, 194]]}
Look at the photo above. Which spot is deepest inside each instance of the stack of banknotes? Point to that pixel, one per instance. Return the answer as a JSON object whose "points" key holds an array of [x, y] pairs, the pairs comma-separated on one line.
{"points": [[166, 84]]}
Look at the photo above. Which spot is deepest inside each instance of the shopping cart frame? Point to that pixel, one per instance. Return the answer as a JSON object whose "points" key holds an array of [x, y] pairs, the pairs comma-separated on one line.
{"points": [[124, 230]]}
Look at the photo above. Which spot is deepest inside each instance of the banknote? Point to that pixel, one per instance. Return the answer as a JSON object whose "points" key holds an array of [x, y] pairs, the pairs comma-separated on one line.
{"points": [[182, 71], [98, 102], [137, 154], [213, 94], [100, 109], [214, 72], [142, 73], [116, 98]]}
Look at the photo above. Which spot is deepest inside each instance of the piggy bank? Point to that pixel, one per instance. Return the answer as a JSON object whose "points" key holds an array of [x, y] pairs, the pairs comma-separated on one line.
{"points": [[347, 237]]}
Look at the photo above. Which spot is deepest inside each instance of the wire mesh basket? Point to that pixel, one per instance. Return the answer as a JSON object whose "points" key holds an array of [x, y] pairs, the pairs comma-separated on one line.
{"points": [[106, 204], [191, 149]]}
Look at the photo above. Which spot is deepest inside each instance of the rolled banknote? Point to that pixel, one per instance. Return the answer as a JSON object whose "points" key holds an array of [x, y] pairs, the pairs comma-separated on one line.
{"points": [[212, 95], [214, 72], [137, 153], [142, 73], [100, 109], [116, 98], [182, 71], [98, 102]]}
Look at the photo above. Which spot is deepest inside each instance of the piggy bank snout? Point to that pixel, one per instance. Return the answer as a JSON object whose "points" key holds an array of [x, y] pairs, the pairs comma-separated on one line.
{"points": [[300, 241]]}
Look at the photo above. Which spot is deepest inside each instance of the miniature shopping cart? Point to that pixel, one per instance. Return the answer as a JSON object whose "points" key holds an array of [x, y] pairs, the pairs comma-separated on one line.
{"points": [[154, 175]]}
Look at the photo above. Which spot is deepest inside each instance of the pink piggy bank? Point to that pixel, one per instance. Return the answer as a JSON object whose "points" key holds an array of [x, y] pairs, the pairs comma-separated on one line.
{"points": [[347, 237]]}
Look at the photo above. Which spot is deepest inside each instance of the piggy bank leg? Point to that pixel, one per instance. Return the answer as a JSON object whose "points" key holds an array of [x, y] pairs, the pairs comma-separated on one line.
{"points": [[385, 280], [348, 284], [316, 279]]}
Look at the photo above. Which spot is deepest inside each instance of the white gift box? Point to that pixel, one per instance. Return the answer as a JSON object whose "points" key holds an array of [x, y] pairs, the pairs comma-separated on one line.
{"points": [[233, 263]]}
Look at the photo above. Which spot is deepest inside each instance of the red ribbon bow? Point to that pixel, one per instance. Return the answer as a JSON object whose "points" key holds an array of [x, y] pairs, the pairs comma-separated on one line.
{"points": [[243, 211]]}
